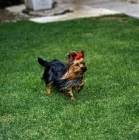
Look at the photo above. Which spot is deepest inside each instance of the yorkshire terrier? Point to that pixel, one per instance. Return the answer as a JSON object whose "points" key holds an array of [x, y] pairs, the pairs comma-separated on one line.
{"points": [[65, 76]]}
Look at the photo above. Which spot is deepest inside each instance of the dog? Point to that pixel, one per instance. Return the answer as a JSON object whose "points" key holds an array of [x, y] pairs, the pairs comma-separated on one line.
{"points": [[65, 76]]}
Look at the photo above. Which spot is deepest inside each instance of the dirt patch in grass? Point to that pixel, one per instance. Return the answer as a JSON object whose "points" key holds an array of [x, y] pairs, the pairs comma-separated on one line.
{"points": [[119, 19], [6, 16]]}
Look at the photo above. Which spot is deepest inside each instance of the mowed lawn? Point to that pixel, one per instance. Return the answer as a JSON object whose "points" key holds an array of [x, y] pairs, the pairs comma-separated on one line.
{"points": [[108, 106]]}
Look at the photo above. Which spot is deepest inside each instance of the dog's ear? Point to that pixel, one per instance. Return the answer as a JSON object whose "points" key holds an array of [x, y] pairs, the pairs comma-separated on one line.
{"points": [[71, 57], [82, 53]]}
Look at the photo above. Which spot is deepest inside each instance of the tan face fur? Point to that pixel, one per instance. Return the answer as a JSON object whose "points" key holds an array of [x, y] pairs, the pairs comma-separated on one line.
{"points": [[76, 68]]}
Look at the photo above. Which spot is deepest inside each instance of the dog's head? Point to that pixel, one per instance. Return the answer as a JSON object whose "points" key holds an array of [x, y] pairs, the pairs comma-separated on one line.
{"points": [[76, 65]]}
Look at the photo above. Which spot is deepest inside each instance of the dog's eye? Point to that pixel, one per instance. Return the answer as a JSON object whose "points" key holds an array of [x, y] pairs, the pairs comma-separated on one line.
{"points": [[77, 64]]}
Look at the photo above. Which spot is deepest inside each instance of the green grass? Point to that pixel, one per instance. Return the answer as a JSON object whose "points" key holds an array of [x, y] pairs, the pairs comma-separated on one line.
{"points": [[108, 106]]}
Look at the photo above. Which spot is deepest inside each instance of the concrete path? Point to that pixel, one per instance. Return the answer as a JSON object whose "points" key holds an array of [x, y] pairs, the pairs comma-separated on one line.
{"points": [[81, 8], [81, 12], [131, 9]]}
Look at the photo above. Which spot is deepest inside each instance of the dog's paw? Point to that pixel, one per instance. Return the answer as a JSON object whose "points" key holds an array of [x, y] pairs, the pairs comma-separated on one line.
{"points": [[72, 98]]}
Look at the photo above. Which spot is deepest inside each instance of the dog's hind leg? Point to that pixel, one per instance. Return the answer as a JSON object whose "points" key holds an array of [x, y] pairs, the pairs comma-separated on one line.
{"points": [[48, 88]]}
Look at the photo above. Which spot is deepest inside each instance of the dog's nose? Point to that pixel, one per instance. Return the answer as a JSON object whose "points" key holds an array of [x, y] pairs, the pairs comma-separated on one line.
{"points": [[84, 69]]}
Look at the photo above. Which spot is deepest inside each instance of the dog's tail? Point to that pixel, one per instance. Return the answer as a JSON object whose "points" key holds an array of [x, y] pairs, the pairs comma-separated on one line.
{"points": [[43, 62]]}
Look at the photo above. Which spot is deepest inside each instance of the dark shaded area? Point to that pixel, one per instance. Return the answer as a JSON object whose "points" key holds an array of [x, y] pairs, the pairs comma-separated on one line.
{"points": [[5, 3]]}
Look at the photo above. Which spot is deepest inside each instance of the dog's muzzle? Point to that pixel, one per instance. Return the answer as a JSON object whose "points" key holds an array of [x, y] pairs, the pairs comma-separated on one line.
{"points": [[84, 69]]}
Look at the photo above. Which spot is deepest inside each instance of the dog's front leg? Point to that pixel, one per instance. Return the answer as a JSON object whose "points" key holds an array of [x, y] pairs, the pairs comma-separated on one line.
{"points": [[70, 94], [79, 87]]}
